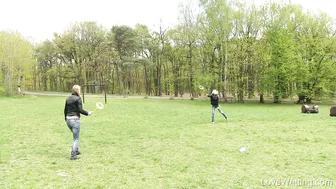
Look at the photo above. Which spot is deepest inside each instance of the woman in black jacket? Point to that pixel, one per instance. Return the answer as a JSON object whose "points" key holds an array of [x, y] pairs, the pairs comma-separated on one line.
{"points": [[72, 110], [214, 98]]}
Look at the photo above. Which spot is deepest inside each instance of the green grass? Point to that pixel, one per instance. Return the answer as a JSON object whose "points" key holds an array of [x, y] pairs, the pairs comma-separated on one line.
{"points": [[151, 143]]}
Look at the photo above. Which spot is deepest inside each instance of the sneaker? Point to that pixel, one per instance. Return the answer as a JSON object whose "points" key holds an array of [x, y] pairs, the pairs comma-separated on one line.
{"points": [[213, 122], [74, 157], [78, 153]]}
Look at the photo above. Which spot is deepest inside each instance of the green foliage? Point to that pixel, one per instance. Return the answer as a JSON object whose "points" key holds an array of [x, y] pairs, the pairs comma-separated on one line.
{"points": [[125, 39], [316, 53], [2, 91], [282, 70], [2, 86], [16, 62], [274, 49]]}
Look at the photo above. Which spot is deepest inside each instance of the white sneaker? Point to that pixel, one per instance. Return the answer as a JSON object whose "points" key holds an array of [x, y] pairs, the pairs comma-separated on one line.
{"points": [[213, 122]]}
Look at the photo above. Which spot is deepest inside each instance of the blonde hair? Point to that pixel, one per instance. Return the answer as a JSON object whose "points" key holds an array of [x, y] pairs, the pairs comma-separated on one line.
{"points": [[215, 92], [76, 88]]}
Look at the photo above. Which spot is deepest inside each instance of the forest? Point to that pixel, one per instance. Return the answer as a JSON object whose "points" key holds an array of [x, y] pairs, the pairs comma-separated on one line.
{"points": [[275, 50]]}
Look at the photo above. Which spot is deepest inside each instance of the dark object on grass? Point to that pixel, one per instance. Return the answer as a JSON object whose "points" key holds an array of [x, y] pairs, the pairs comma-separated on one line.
{"points": [[307, 109], [333, 111]]}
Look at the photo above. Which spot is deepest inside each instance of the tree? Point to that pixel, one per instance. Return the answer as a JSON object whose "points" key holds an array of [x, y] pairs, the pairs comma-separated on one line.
{"points": [[276, 49], [217, 23], [316, 42], [16, 62], [125, 43]]}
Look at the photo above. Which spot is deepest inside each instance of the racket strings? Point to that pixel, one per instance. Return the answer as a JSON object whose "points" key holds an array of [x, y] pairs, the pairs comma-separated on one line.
{"points": [[99, 105]]}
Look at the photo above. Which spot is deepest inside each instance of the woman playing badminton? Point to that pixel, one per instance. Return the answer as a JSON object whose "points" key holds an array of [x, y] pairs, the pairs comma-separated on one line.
{"points": [[72, 110], [214, 98]]}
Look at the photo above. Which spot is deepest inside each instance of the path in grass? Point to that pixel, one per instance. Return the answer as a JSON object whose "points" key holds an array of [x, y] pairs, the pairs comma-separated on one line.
{"points": [[152, 143]]}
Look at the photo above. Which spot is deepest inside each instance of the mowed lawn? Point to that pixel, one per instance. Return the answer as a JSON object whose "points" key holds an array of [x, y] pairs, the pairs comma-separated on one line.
{"points": [[152, 143]]}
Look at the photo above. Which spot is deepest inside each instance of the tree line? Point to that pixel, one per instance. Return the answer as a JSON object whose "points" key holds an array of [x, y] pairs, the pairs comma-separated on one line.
{"points": [[276, 49]]}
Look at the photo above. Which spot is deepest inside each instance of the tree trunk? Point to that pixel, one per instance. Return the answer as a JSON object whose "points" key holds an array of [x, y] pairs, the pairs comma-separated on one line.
{"points": [[191, 76], [261, 99], [276, 99], [158, 78], [118, 79], [241, 96], [250, 81], [147, 80], [35, 79], [301, 99], [225, 68]]}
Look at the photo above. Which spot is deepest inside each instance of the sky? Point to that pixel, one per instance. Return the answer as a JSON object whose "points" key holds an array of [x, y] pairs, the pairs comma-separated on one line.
{"points": [[39, 19]]}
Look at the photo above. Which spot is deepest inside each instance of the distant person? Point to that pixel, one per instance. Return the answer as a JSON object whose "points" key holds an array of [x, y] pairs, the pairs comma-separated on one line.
{"points": [[72, 110], [19, 91], [214, 99]]}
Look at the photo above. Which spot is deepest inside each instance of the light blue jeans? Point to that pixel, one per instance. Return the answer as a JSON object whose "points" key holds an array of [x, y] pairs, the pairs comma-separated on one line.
{"points": [[74, 126], [220, 111]]}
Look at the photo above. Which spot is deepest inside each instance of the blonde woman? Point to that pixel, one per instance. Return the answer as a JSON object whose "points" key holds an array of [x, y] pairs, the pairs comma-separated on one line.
{"points": [[72, 111], [214, 99]]}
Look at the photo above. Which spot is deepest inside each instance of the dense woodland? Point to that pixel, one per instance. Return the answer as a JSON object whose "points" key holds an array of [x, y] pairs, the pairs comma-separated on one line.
{"points": [[276, 50]]}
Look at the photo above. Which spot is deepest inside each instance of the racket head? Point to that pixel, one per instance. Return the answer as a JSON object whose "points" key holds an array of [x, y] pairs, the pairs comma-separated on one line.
{"points": [[100, 105]]}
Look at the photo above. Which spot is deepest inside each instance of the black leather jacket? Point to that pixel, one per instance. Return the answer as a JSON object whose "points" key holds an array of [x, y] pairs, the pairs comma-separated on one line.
{"points": [[214, 99], [73, 106]]}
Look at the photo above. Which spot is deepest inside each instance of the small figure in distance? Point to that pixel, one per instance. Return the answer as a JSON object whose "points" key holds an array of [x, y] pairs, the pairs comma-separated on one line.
{"points": [[19, 91]]}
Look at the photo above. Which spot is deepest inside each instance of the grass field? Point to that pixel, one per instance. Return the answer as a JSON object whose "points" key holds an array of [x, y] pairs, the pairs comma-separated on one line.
{"points": [[152, 143]]}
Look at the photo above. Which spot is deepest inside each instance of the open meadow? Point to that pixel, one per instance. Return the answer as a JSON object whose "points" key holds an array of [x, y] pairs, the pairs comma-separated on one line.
{"points": [[160, 143]]}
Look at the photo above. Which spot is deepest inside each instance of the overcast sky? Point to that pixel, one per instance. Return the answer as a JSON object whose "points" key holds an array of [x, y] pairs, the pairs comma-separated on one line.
{"points": [[39, 19]]}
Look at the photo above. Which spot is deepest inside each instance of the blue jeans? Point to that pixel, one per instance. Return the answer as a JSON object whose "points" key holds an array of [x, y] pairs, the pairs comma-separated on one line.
{"points": [[220, 111], [74, 126]]}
